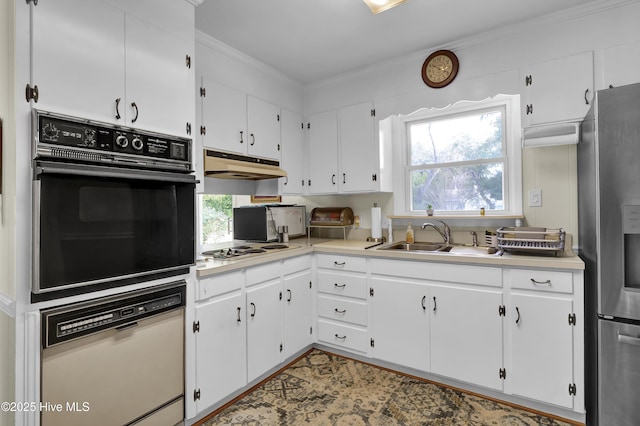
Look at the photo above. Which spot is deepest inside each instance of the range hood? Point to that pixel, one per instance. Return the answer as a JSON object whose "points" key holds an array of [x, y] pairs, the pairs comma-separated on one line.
{"points": [[225, 165]]}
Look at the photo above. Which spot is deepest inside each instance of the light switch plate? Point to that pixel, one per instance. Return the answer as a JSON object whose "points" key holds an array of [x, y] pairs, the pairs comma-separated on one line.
{"points": [[535, 198]]}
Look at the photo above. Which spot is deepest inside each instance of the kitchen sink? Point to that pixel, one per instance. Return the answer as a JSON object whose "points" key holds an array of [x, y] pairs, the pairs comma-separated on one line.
{"points": [[438, 248], [417, 246]]}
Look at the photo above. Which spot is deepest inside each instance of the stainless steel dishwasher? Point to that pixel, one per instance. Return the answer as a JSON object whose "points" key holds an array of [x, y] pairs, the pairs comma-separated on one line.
{"points": [[117, 360]]}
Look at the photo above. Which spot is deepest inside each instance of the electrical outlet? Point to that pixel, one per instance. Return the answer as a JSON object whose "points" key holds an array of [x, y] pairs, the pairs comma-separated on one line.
{"points": [[535, 198]]}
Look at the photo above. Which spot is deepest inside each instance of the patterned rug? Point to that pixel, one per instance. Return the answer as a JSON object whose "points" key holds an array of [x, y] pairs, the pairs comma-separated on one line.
{"points": [[327, 389]]}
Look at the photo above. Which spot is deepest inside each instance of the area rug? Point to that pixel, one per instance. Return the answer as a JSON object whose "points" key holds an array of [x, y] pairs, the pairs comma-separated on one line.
{"points": [[326, 389]]}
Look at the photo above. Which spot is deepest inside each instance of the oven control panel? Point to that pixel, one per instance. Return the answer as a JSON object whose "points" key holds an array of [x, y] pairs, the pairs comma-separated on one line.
{"points": [[75, 139]]}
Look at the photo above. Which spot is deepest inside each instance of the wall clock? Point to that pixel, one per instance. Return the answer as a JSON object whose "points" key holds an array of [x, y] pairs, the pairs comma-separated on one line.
{"points": [[440, 68]]}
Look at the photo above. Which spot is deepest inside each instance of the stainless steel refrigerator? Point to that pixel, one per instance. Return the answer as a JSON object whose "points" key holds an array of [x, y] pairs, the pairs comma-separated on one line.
{"points": [[609, 244]]}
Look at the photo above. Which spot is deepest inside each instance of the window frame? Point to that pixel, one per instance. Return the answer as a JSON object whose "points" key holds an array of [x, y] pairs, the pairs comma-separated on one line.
{"points": [[512, 173]]}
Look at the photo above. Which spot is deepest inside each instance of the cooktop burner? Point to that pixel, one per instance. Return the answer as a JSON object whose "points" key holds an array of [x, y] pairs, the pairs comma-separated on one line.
{"points": [[229, 253]]}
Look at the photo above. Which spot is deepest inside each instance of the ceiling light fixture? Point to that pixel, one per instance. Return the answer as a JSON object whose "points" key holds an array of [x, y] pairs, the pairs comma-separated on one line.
{"points": [[378, 6]]}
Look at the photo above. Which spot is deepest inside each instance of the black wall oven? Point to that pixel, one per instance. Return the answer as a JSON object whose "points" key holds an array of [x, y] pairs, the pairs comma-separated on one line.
{"points": [[111, 206]]}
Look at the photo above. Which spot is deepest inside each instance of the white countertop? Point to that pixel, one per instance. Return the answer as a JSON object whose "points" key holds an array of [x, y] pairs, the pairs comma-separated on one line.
{"points": [[360, 248]]}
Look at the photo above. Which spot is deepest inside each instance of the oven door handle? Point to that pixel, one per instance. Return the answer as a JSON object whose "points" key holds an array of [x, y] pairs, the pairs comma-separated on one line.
{"points": [[46, 167]]}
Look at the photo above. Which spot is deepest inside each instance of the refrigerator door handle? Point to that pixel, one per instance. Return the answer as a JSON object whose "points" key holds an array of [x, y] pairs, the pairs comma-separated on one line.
{"points": [[630, 340]]}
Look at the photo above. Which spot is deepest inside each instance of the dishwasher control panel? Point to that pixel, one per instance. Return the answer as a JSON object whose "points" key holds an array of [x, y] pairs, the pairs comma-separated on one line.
{"points": [[115, 312]]}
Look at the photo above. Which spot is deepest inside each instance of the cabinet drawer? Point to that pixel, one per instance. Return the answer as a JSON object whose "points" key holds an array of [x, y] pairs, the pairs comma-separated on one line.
{"points": [[350, 285], [342, 263], [296, 264], [542, 280], [219, 284], [262, 273], [342, 310], [343, 335]]}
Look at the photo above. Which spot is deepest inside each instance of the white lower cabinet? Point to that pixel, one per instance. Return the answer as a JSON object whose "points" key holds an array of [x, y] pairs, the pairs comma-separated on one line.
{"points": [[265, 336], [400, 322], [221, 366], [542, 327], [298, 313], [466, 335]]}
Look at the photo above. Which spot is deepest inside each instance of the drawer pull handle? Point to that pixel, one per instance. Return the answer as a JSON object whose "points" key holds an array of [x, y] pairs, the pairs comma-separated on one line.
{"points": [[339, 285], [547, 282], [253, 310], [336, 263], [239, 320], [424, 299], [340, 337], [340, 311], [518, 312]]}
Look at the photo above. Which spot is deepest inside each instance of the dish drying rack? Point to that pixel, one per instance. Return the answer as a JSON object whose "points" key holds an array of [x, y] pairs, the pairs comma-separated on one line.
{"points": [[535, 240]]}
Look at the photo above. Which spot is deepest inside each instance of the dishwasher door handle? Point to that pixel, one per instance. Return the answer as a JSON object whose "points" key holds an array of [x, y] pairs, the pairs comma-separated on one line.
{"points": [[127, 326]]}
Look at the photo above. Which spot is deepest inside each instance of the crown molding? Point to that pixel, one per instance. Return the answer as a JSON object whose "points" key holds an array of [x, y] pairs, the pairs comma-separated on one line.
{"points": [[224, 49]]}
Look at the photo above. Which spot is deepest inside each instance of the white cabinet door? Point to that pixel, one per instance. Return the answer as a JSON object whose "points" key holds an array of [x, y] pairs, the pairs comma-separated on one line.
{"points": [[78, 58], [263, 120], [224, 117], [293, 153], [542, 348], [466, 335], [220, 348], [298, 319], [264, 328], [158, 80], [558, 90], [400, 322], [323, 153], [357, 148]]}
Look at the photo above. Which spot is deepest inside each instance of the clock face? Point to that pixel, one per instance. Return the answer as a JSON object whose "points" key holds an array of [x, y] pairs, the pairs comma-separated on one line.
{"points": [[440, 68]]}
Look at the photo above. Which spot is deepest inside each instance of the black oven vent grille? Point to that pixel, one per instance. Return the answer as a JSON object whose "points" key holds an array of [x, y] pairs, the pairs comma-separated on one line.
{"points": [[77, 155]]}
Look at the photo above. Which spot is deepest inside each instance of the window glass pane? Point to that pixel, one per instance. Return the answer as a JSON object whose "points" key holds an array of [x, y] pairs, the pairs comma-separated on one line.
{"points": [[216, 213], [457, 138], [459, 188]]}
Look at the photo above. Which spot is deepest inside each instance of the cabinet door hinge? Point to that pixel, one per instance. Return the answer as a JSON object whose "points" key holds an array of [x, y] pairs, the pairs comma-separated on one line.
{"points": [[310, 330], [309, 182], [281, 347], [188, 128], [302, 126], [572, 389], [373, 112], [278, 147], [372, 343], [529, 109], [280, 296], [528, 80], [309, 281], [308, 125], [374, 177], [572, 319], [196, 326], [188, 61], [371, 292], [203, 130], [502, 311], [32, 93], [502, 373], [196, 394], [278, 118], [203, 92]]}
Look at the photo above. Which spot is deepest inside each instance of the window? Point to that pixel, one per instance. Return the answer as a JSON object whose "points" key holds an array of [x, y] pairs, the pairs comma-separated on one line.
{"points": [[464, 158], [216, 215]]}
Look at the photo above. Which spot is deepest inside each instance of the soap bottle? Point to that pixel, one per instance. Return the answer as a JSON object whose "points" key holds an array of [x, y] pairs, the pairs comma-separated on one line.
{"points": [[410, 238]]}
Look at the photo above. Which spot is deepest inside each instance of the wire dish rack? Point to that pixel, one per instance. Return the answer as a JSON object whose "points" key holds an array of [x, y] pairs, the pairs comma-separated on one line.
{"points": [[532, 240]]}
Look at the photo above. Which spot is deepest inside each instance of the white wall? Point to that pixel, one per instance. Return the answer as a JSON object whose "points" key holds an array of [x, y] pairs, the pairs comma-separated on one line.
{"points": [[7, 209], [490, 64]]}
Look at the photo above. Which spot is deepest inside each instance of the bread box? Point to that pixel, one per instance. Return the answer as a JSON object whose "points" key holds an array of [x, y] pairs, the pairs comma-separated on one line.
{"points": [[331, 216]]}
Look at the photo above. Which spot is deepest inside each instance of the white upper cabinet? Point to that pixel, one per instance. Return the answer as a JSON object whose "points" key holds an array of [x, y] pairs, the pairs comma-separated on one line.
{"points": [[293, 153], [323, 152], [357, 153], [224, 116], [263, 125], [557, 90], [94, 60]]}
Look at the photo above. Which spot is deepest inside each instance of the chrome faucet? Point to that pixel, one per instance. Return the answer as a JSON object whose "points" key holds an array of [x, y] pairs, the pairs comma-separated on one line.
{"points": [[446, 234]]}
